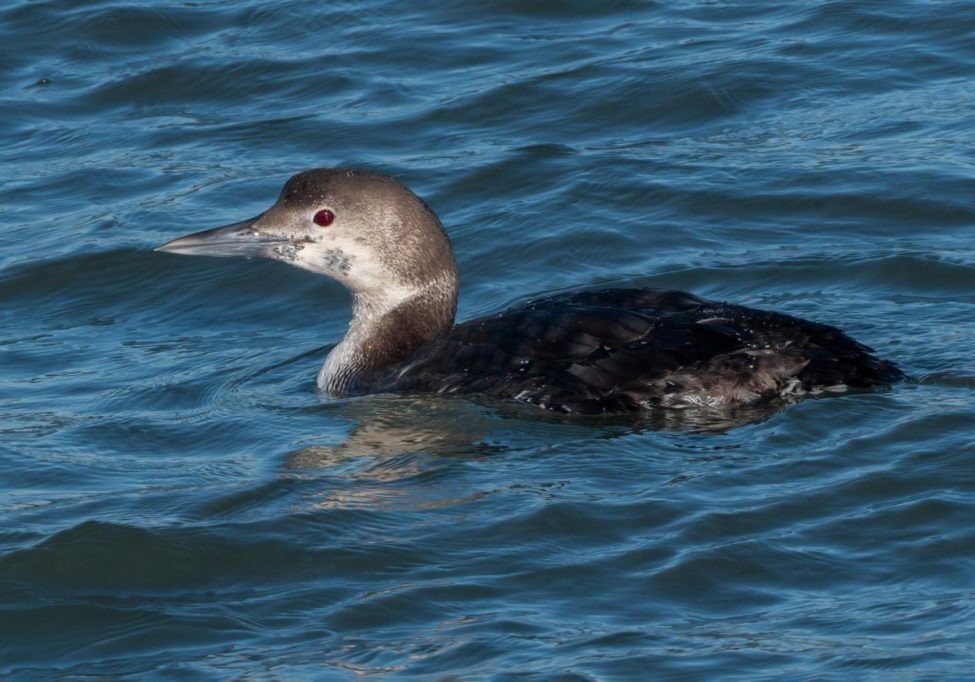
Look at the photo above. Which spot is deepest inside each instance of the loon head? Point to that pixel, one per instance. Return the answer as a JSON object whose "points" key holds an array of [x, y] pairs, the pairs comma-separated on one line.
{"points": [[361, 228]]}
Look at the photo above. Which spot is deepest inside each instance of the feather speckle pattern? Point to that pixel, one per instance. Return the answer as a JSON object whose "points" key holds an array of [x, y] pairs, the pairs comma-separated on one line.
{"points": [[622, 350]]}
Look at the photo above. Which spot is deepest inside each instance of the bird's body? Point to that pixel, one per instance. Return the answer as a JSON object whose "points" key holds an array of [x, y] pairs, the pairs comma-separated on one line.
{"points": [[620, 350], [597, 351]]}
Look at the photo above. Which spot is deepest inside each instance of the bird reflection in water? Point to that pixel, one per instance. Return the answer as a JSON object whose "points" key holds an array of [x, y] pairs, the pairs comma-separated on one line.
{"points": [[391, 427]]}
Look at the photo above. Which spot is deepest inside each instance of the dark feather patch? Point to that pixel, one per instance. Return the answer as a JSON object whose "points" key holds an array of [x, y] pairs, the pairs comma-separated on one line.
{"points": [[618, 350]]}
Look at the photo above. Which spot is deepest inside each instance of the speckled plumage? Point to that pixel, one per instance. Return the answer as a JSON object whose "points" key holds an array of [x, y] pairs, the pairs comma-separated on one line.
{"points": [[617, 350]]}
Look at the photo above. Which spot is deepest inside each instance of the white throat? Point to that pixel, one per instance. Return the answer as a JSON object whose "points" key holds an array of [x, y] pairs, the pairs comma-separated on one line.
{"points": [[362, 343], [345, 359]]}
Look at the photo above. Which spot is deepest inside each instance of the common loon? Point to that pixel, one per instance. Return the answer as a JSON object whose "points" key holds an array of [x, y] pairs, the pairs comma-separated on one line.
{"points": [[595, 351]]}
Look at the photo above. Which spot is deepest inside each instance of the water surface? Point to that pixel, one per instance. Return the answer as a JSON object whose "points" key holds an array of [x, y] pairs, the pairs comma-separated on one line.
{"points": [[176, 499]]}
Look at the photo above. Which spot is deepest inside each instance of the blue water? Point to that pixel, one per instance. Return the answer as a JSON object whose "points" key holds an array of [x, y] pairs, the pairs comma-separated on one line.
{"points": [[175, 498]]}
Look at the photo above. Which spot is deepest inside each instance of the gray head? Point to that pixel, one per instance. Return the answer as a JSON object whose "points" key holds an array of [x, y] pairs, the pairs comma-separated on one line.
{"points": [[361, 228]]}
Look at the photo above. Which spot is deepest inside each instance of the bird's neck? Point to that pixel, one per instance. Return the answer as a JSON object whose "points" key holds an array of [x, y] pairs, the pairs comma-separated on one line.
{"points": [[385, 329]]}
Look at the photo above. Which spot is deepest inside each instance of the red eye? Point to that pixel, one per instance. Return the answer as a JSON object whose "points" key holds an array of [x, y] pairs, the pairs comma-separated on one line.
{"points": [[324, 217]]}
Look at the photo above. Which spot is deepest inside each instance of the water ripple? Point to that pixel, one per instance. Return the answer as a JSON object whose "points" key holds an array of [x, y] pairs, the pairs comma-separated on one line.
{"points": [[177, 500]]}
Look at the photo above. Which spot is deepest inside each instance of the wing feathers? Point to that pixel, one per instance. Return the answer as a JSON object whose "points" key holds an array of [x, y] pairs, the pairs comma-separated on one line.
{"points": [[627, 349]]}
